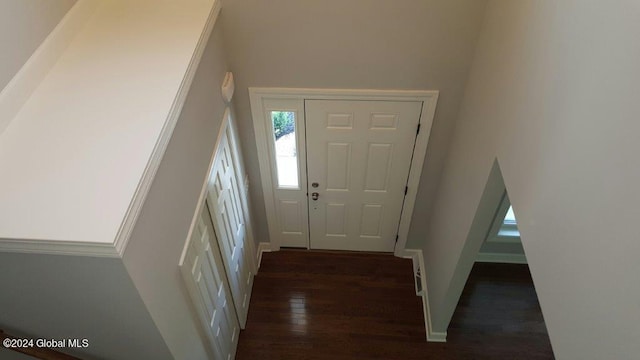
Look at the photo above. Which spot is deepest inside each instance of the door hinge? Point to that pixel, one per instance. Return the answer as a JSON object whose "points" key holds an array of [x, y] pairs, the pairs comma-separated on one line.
{"points": [[418, 131], [406, 189]]}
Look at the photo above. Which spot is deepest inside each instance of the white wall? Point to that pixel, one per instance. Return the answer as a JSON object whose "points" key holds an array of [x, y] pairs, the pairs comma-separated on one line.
{"points": [[353, 44], [52, 296], [498, 247], [503, 248], [24, 24], [553, 94], [158, 238], [58, 297]]}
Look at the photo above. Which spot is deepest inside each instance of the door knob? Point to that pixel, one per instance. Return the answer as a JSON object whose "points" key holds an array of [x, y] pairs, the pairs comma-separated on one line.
{"points": [[315, 196]]}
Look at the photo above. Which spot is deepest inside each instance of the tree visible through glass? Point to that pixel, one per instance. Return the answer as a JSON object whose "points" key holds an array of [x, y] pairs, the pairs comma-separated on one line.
{"points": [[284, 133]]}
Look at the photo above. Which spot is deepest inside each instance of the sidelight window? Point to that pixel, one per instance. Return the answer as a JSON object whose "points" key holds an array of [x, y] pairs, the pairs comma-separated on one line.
{"points": [[284, 133]]}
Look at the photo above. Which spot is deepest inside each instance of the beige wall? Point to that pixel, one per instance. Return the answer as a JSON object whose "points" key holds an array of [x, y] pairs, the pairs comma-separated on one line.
{"points": [[153, 253], [377, 44], [24, 24], [553, 95]]}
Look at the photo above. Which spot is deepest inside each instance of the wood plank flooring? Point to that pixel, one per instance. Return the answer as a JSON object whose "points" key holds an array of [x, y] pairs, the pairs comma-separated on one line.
{"points": [[317, 305]]}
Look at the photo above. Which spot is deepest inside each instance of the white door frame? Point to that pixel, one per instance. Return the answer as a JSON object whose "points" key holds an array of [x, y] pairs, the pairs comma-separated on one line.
{"points": [[257, 96]]}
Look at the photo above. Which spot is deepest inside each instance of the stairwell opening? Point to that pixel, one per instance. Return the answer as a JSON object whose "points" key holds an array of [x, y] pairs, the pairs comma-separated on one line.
{"points": [[498, 300]]}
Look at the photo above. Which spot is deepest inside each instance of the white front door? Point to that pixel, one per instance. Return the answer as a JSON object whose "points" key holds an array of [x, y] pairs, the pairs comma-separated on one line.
{"points": [[358, 160], [335, 171]]}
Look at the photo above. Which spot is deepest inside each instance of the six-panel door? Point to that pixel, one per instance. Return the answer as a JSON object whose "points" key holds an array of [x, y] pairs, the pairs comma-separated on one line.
{"points": [[204, 276], [359, 155], [230, 224]]}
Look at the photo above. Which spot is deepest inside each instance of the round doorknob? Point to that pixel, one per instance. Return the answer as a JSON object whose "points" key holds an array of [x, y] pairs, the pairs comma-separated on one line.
{"points": [[315, 196]]}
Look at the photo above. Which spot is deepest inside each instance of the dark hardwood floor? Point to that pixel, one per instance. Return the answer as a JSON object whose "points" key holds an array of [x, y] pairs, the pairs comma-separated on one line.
{"points": [[315, 305]]}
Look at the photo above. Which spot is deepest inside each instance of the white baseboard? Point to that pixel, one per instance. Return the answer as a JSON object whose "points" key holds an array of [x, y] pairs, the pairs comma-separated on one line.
{"points": [[418, 263], [501, 258], [263, 247], [437, 337]]}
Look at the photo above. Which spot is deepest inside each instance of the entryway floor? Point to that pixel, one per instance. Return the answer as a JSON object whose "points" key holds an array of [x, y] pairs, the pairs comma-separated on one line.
{"points": [[340, 305]]}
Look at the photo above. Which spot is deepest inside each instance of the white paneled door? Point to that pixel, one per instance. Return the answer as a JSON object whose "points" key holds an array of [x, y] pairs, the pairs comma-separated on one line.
{"points": [[358, 161], [229, 220], [204, 276]]}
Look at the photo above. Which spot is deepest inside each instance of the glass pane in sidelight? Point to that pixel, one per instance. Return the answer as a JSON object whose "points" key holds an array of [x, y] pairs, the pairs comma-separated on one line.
{"points": [[284, 132]]}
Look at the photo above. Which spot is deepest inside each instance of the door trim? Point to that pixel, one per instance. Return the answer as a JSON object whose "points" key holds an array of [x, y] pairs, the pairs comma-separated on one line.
{"points": [[429, 99]]}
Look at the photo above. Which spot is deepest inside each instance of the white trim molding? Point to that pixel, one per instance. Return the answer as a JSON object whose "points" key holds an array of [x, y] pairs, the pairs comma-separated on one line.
{"points": [[32, 246], [429, 99], [35, 71], [418, 265], [501, 258], [124, 233], [263, 247]]}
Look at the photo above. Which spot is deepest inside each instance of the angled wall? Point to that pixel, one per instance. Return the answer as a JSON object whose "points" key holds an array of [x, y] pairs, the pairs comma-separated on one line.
{"points": [[135, 307], [552, 95], [153, 253], [24, 24]]}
